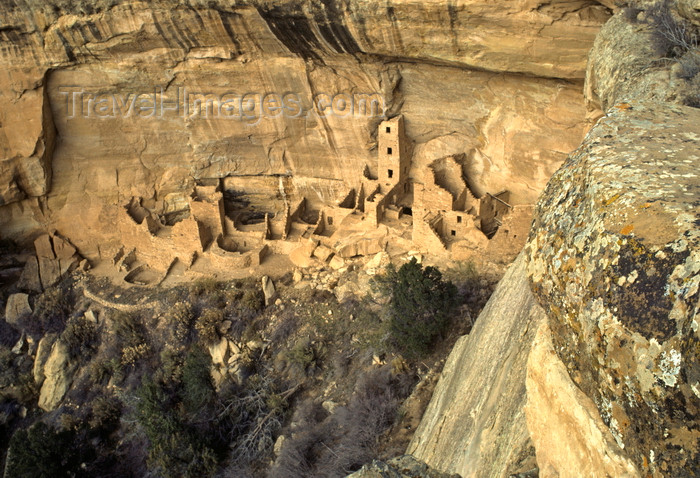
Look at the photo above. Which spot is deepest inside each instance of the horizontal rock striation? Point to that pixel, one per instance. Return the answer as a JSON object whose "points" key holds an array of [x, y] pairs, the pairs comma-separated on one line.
{"points": [[451, 70]]}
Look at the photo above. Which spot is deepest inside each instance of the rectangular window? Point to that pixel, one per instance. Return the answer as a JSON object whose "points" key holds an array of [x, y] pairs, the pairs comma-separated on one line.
{"points": [[390, 173], [388, 150], [388, 129], [330, 221], [459, 219], [454, 233]]}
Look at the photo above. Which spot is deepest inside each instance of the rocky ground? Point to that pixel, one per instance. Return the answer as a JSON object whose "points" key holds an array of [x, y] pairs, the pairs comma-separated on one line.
{"points": [[294, 361]]}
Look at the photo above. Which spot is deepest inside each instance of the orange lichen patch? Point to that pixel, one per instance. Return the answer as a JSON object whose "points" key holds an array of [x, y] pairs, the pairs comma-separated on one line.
{"points": [[608, 202], [646, 205], [627, 229], [624, 106]]}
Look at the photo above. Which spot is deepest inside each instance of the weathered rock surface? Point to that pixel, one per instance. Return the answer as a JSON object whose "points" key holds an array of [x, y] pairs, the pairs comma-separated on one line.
{"points": [[615, 261], [569, 435], [43, 352], [429, 62], [219, 352], [535, 37], [402, 467], [633, 59], [58, 373], [55, 257], [27, 139], [16, 308], [268, 289], [475, 424]]}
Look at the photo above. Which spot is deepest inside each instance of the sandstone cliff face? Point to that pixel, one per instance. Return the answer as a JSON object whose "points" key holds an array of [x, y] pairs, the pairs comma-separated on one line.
{"points": [[27, 136], [452, 70], [475, 424]]}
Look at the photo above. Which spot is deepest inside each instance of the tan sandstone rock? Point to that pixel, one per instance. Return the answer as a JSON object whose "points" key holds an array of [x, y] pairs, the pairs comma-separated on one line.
{"points": [[474, 424], [405, 466], [428, 62], [58, 372], [16, 308], [43, 352], [570, 437]]}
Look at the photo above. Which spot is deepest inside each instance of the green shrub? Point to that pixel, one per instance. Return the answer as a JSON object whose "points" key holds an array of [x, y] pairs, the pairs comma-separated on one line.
{"points": [[81, 337], [197, 386], [171, 362], [16, 378], [672, 34], [253, 300], [256, 412], [101, 370], [42, 452], [420, 308], [8, 335], [8, 372], [132, 354], [306, 355], [174, 451], [50, 311], [204, 286], [129, 329], [105, 414], [133, 345], [181, 320], [341, 443], [208, 324]]}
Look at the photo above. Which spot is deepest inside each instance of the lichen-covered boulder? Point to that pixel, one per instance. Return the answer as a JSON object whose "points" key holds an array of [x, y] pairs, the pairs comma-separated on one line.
{"points": [[615, 261]]}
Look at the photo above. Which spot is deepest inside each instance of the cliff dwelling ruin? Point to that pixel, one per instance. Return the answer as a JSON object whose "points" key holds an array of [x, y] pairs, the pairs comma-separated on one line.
{"points": [[223, 229]]}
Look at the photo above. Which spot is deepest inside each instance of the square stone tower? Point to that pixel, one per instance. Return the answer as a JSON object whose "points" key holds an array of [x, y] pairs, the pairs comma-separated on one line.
{"points": [[394, 156]]}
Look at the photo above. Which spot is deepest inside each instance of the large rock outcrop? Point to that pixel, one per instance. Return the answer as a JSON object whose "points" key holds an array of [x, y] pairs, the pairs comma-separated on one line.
{"points": [[649, 53], [58, 375], [615, 261], [569, 435], [475, 424], [615, 247], [613, 258], [430, 62]]}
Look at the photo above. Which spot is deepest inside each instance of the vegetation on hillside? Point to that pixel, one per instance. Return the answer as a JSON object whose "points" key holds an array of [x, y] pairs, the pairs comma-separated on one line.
{"points": [[309, 386]]}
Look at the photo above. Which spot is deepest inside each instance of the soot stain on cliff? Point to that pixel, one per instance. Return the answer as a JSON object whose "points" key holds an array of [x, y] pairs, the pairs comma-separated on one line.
{"points": [[339, 30], [66, 47], [161, 32], [293, 31], [227, 19]]}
